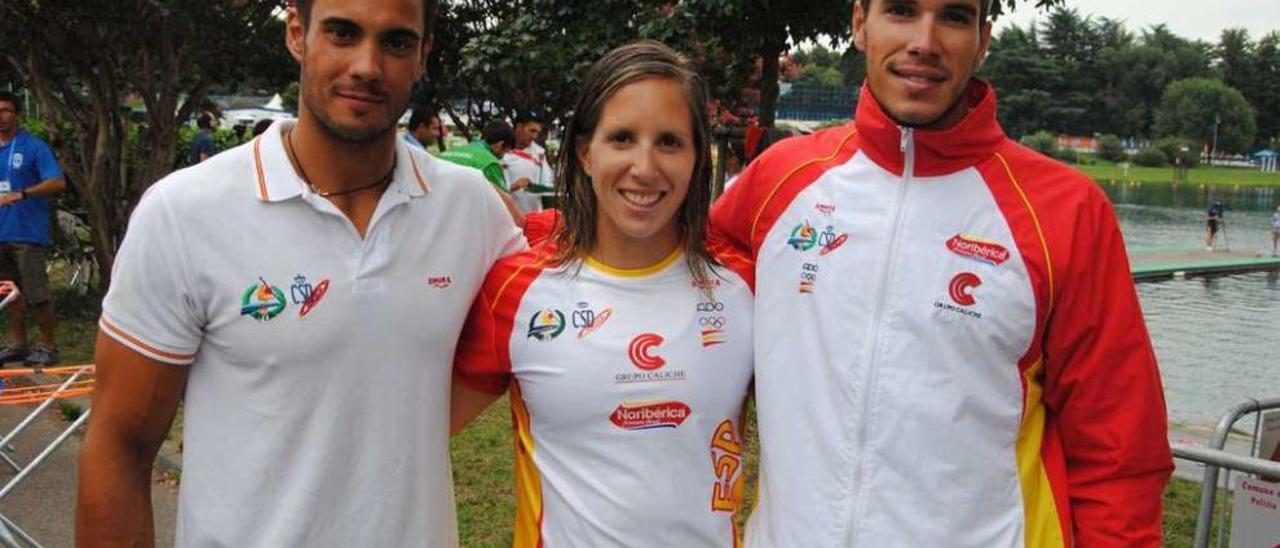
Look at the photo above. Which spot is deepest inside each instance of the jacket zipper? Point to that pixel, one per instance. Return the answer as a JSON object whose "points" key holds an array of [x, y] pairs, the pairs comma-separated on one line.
{"points": [[907, 147]]}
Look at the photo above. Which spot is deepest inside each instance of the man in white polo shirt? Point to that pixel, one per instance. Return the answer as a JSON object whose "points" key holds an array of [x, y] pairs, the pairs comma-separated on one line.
{"points": [[529, 174], [303, 295]]}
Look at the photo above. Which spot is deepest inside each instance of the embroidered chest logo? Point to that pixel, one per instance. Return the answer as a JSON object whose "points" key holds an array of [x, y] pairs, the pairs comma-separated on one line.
{"points": [[17, 160], [643, 354], [439, 282], [711, 320], [587, 321], [960, 289], [978, 249], [262, 301], [546, 324], [803, 237], [303, 293]]}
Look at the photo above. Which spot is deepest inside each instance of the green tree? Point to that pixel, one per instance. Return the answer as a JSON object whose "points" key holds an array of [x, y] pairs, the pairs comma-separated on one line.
{"points": [[1194, 107], [81, 60]]}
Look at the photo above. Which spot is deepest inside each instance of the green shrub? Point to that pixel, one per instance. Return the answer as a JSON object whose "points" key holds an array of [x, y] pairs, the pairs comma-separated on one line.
{"points": [[1066, 155], [1111, 148], [1172, 148], [70, 411], [1150, 157], [1041, 141]]}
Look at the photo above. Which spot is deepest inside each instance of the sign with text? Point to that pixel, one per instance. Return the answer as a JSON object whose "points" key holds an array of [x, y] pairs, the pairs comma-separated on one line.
{"points": [[1255, 518]]}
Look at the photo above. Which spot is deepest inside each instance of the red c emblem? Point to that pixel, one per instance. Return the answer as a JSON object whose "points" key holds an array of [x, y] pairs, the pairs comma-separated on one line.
{"points": [[962, 288], [640, 348]]}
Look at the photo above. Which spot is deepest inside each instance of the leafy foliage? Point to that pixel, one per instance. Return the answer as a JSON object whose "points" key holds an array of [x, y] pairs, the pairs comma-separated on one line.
{"points": [[1149, 157], [1197, 107]]}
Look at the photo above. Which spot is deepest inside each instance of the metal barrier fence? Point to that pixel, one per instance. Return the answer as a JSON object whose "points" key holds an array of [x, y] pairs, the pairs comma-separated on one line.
{"points": [[1215, 457]]}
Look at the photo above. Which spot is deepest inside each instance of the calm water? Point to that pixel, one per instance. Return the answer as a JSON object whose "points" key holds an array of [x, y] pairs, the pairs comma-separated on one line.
{"points": [[1217, 339]]}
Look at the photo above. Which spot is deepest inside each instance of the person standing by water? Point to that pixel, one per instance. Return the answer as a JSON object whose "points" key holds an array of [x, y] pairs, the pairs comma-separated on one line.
{"points": [[1275, 230], [1213, 222]]}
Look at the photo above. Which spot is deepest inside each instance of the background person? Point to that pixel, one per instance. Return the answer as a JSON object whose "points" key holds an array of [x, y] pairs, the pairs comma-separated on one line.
{"points": [[424, 130], [495, 139], [627, 351], [29, 178], [1214, 218], [202, 145], [527, 168]]}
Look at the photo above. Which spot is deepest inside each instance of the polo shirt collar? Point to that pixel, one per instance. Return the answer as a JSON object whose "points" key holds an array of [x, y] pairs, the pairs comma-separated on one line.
{"points": [[277, 181]]}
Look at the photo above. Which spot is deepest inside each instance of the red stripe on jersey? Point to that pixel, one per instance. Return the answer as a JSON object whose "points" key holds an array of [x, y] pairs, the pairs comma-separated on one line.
{"points": [[483, 358]]}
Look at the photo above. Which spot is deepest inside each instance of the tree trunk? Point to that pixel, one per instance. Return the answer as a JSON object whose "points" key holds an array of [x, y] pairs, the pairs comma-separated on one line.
{"points": [[770, 52]]}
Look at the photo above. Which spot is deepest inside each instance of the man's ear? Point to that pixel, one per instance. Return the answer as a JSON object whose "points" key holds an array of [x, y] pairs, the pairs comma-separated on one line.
{"points": [[859, 26], [295, 35]]}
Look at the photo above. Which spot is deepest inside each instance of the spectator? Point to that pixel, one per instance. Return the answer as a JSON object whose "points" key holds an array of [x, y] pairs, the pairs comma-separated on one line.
{"points": [[424, 130], [496, 138], [202, 146], [528, 172], [29, 178]]}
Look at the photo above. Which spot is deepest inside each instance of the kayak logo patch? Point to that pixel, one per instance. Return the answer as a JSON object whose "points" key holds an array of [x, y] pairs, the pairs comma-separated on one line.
{"points": [[262, 301]]}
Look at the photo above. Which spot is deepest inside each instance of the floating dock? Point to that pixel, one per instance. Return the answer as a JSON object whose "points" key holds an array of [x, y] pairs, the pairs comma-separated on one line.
{"points": [[1162, 264]]}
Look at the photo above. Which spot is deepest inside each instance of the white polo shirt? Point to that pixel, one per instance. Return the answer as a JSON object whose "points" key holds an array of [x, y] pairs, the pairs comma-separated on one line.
{"points": [[530, 162], [318, 399]]}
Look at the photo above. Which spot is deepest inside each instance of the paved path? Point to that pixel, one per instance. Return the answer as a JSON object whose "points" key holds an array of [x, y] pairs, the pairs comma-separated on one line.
{"points": [[44, 503]]}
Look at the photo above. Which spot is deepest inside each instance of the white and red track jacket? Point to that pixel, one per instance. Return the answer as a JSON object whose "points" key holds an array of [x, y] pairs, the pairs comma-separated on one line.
{"points": [[949, 348]]}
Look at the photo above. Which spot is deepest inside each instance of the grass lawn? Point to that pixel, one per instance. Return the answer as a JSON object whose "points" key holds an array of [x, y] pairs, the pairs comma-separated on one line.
{"points": [[483, 454], [1103, 170]]}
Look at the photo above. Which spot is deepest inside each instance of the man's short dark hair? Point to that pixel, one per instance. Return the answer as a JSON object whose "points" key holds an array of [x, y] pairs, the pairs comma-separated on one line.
{"points": [[11, 98], [526, 116], [429, 9], [420, 117], [983, 12], [204, 120], [498, 131]]}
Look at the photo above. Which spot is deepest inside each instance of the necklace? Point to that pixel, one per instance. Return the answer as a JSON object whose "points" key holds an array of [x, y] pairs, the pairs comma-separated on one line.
{"points": [[385, 179]]}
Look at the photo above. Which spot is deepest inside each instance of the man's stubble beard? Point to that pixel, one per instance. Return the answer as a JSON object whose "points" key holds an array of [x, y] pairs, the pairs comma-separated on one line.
{"points": [[337, 131]]}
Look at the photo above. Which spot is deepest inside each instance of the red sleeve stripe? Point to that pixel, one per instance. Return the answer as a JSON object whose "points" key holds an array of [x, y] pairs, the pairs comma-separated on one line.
{"points": [[257, 164], [421, 183], [777, 186], [125, 337]]}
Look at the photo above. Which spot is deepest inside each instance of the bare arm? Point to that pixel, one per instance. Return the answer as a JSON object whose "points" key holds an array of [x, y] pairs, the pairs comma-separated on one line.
{"points": [[467, 404], [512, 208], [133, 407], [47, 187]]}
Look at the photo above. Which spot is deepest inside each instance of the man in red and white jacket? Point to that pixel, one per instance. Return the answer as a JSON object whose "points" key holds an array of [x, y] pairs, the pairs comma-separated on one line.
{"points": [[949, 346]]}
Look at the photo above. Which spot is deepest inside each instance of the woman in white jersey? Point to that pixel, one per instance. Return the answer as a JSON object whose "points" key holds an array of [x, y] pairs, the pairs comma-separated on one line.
{"points": [[625, 345]]}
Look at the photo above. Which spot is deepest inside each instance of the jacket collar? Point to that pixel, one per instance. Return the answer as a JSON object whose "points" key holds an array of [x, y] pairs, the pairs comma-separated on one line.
{"points": [[937, 152], [276, 181]]}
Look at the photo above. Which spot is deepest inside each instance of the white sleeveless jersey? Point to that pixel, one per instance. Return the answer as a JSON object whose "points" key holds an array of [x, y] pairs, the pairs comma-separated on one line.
{"points": [[627, 396]]}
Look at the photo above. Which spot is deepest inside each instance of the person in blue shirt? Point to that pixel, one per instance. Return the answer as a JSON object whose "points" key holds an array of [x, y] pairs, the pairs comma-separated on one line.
{"points": [[424, 130], [29, 178], [202, 145]]}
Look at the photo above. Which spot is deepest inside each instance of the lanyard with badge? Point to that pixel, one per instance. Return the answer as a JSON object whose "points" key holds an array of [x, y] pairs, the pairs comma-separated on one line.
{"points": [[5, 185]]}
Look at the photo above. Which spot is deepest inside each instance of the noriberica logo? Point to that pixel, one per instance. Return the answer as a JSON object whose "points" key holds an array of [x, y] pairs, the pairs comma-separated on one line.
{"points": [[973, 247], [649, 415]]}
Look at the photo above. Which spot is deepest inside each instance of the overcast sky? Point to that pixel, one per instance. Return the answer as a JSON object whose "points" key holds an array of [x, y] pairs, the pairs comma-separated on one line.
{"points": [[1203, 19]]}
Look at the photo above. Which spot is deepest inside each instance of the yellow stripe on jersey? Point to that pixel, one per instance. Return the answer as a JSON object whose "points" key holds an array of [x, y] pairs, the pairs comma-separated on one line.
{"points": [[636, 272], [1044, 243], [528, 527], [1040, 510]]}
